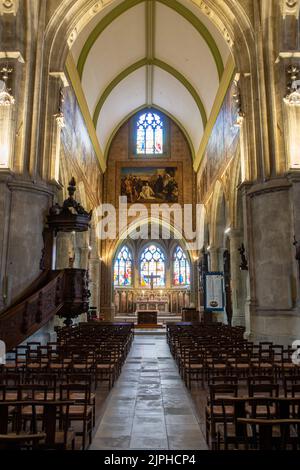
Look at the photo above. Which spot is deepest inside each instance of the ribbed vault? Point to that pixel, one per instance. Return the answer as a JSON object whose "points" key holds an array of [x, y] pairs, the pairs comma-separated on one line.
{"points": [[160, 53]]}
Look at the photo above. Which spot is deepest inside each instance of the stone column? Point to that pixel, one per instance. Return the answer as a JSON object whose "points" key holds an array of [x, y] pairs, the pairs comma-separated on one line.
{"points": [[168, 274], [107, 307], [214, 259], [273, 315], [238, 279], [194, 284], [94, 271]]}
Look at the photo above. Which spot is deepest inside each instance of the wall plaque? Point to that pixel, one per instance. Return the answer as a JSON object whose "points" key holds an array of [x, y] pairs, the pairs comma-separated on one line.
{"points": [[214, 291]]}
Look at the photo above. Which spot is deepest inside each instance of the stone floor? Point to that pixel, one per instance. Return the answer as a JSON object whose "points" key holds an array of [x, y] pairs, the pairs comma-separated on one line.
{"points": [[149, 406]]}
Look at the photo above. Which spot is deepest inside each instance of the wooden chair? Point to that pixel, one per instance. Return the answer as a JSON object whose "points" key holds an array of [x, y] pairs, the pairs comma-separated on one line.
{"points": [[258, 408], [12, 435], [288, 382], [216, 366], [194, 367], [21, 442], [270, 434], [81, 409], [229, 431], [214, 411], [105, 369], [224, 380], [58, 436], [86, 379], [241, 365]]}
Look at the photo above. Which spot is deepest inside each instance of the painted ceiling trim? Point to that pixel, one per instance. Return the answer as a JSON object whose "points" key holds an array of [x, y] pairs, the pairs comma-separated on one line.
{"points": [[158, 63], [158, 108], [174, 5], [223, 88], [76, 84]]}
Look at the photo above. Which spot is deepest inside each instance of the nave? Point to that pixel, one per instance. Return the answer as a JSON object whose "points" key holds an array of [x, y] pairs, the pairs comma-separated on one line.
{"points": [[149, 406], [199, 386]]}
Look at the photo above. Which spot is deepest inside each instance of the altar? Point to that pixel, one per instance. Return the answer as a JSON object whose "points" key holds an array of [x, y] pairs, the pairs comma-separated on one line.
{"points": [[160, 305], [147, 317]]}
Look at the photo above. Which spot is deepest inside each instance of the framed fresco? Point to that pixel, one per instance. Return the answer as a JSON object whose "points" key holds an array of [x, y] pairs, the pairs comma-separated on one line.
{"points": [[150, 184]]}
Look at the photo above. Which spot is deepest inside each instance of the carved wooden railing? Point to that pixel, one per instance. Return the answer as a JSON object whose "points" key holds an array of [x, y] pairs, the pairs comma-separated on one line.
{"points": [[24, 319], [65, 293]]}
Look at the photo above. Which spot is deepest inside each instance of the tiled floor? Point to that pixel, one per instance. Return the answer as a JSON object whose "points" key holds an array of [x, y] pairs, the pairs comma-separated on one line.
{"points": [[149, 407]]}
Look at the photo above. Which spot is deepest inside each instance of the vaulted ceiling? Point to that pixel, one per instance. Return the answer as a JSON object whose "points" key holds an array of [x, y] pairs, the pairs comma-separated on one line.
{"points": [[136, 53]]}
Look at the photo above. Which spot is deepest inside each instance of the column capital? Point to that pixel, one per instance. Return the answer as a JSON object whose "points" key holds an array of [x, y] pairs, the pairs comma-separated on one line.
{"points": [[9, 7], [290, 8]]}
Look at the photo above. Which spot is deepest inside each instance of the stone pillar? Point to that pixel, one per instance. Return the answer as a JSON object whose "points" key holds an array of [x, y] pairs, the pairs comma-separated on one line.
{"points": [[107, 307], [94, 271], [169, 272], [273, 315], [238, 279], [220, 255], [194, 284], [214, 259]]}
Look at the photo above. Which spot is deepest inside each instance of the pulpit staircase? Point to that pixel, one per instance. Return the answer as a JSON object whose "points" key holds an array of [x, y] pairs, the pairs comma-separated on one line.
{"points": [[62, 292]]}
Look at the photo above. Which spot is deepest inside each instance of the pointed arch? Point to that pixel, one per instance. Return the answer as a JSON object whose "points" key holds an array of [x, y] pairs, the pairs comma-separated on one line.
{"points": [[181, 269], [152, 262], [123, 267]]}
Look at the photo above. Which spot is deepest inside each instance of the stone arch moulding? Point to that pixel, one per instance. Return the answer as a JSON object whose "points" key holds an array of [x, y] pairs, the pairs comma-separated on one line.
{"points": [[219, 194], [235, 180], [122, 237]]}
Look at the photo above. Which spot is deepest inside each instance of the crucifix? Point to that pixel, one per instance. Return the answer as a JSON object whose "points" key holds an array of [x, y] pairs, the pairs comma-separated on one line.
{"points": [[151, 279]]}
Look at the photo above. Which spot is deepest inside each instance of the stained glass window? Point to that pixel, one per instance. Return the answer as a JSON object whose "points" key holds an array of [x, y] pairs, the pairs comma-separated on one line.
{"points": [[181, 268], [152, 265], [149, 134], [123, 268]]}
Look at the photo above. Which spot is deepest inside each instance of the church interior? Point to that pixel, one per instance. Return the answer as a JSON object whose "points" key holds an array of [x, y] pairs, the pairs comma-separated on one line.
{"points": [[149, 225]]}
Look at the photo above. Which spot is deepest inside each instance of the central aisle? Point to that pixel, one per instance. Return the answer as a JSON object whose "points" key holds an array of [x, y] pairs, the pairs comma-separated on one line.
{"points": [[149, 407]]}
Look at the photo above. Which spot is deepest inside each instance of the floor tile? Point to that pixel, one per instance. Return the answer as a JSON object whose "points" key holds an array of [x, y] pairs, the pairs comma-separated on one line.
{"points": [[148, 443], [104, 443], [150, 407]]}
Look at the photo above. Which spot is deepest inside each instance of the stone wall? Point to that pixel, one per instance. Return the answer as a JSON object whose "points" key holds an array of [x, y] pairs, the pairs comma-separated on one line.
{"points": [[23, 207], [121, 155], [78, 157]]}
